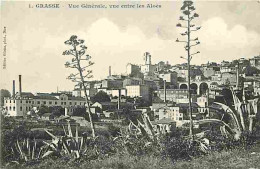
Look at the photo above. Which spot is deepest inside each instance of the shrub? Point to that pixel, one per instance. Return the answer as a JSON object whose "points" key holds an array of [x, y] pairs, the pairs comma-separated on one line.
{"points": [[177, 148]]}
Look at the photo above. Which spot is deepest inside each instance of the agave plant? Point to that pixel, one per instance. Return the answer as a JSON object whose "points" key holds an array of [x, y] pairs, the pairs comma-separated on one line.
{"points": [[137, 137], [144, 129], [26, 151], [240, 119], [66, 145]]}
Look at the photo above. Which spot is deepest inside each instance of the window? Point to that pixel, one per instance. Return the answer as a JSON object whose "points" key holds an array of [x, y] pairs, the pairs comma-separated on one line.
{"points": [[44, 102], [32, 102], [26, 101], [29, 101], [50, 102], [64, 103], [21, 108], [6, 101], [6, 108], [10, 101], [10, 108], [38, 102], [61, 103], [70, 103], [13, 108], [55, 102], [75, 103], [26, 109], [14, 101]]}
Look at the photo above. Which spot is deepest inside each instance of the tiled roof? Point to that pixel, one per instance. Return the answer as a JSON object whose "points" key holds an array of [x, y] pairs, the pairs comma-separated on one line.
{"points": [[26, 94], [77, 98], [45, 97]]}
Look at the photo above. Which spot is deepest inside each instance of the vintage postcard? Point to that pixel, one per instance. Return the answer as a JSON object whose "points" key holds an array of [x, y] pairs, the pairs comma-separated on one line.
{"points": [[130, 84]]}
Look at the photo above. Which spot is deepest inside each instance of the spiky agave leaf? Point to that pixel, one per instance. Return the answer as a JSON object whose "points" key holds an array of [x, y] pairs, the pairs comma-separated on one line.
{"points": [[51, 145], [148, 127], [230, 112], [19, 149], [28, 147], [48, 153], [136, 127], [77, 138], [69, 130], [53, 136], [225, 129], [204, 145], [65, 146], [239, 109], [142, 128], [64, 130], [33, 149], [81, 143]]}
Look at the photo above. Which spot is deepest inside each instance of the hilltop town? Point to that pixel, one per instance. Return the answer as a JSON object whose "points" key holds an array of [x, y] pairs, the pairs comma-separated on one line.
{"points": [[142, 89]]}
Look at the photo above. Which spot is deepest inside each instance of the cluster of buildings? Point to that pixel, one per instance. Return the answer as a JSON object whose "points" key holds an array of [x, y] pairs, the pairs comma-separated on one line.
{"points": [[162, 87]]}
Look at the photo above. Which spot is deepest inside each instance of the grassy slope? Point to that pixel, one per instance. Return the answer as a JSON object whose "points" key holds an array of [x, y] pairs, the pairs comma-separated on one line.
{"points": [[225, 159]]}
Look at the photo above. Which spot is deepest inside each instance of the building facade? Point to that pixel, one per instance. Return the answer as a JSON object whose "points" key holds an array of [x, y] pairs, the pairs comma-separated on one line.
{"points": [[20, 106], [172, 94], [139, 91]]}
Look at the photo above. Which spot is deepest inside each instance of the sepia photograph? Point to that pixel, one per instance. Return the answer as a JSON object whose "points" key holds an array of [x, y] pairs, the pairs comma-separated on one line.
{"points": [[124, 84]]}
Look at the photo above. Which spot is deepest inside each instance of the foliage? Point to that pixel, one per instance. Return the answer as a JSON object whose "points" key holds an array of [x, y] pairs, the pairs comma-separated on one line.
{"points": [[250, 70], [177, 148], [101, 96], [4, 93], [237, 158], [81, 112], [43, 109], [57, 111]]}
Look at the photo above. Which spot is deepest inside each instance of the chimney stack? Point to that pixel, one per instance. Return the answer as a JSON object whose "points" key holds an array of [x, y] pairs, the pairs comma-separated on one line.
{"points": [[20, 85], [13, 88], [109, 73]]}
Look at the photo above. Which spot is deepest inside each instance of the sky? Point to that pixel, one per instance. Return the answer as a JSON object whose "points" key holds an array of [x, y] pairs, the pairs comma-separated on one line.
{"points": [[114, 37]]}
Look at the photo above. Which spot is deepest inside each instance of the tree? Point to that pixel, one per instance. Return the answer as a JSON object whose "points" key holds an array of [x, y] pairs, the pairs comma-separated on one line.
{"points": [[101, 96], [79, 111], [42, 110], [78, 55], [57, 111], [189, 15], [250, 71], [4, 93]]}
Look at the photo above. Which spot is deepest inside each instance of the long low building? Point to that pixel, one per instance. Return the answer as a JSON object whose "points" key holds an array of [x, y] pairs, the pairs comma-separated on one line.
{"points": [[172, 94], [20, 105]]}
